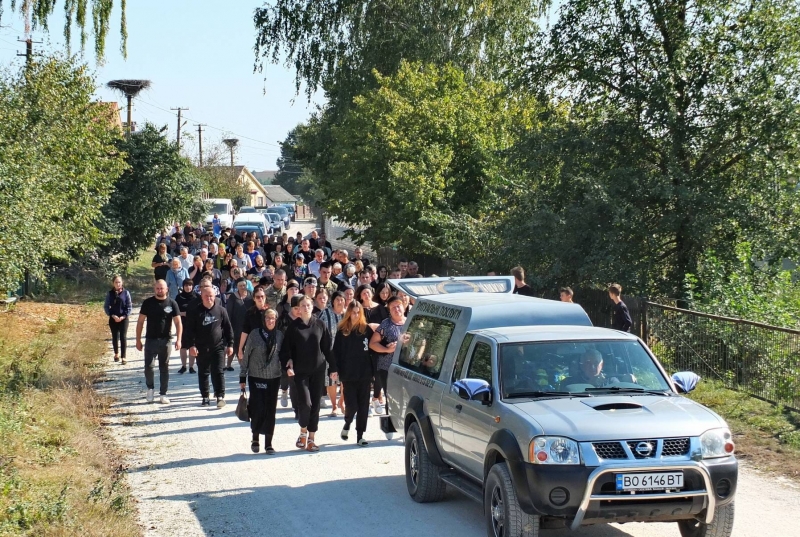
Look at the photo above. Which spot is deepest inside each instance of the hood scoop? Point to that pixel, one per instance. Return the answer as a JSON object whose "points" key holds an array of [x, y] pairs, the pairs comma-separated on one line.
{"points": [[616, 405]]}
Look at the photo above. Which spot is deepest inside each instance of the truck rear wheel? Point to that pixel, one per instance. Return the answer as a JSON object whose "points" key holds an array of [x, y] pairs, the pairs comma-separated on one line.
{"points": [[721, 526], [504, 516], [422, 476]]}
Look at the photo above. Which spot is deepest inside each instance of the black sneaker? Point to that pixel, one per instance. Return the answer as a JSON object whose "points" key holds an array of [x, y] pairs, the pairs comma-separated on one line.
{"points": [[229, 368], [206, 401], [191, 370], [182, 370]]}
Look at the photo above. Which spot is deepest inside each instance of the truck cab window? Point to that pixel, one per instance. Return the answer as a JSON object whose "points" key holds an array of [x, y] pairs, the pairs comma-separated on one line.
{"points": [[480, 367]]}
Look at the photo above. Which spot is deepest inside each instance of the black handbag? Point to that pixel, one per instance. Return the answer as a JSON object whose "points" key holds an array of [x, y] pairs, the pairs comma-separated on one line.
{"points": [[241, 408]]}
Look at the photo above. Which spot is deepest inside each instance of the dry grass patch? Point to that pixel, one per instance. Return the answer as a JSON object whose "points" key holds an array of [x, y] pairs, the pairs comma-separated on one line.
{"points": [[59, 473]]}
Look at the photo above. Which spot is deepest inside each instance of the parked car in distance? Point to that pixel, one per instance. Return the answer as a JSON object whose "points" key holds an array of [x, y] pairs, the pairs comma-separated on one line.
{"points": [[253, 219], [246, 209], [284, 212], [249, 228], [223, 208], [274, 219], [545, 420], [291, 208]]}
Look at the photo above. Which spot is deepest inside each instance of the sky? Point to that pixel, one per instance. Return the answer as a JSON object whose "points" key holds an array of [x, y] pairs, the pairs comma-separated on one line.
{"points": [[198, 55]]}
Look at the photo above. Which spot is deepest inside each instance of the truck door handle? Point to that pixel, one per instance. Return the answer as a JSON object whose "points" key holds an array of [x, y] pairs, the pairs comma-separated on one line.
{"points": [[458, 408]]}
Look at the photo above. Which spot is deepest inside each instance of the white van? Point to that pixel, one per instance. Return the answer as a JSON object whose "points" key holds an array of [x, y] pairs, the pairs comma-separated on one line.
{"points": [[223, 208]]}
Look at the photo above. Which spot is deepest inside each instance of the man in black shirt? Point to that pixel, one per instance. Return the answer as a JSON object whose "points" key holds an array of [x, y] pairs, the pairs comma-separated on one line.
{"points": [[520, 287], [622, 318], [158, 310], [209, 335]]}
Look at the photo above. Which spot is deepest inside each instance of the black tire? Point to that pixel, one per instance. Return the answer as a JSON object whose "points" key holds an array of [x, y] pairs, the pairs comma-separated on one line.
{"points": [[721, 526], [504, 516], [422, 476]]}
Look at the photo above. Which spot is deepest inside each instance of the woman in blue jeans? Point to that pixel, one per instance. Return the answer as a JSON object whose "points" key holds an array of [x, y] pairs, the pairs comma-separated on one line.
{"points": [[118, 307]]}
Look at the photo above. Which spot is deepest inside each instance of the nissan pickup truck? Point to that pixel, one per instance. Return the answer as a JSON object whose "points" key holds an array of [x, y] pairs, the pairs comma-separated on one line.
{"points": [[523, 406]]}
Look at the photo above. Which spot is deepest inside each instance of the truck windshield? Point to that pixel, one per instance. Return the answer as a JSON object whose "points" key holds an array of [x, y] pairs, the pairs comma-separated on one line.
{"points": [[219, 208], [615, 367]]}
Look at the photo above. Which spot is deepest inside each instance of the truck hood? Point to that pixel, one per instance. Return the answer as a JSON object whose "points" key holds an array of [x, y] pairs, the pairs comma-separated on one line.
{"points": [[618, 417]]}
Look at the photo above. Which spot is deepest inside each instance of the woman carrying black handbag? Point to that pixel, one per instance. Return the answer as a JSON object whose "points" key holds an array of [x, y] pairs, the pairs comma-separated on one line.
{"points": [[260, 363]]}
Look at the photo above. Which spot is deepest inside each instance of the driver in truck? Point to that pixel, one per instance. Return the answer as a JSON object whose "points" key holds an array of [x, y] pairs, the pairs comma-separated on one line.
{"points": [[591, 371]]}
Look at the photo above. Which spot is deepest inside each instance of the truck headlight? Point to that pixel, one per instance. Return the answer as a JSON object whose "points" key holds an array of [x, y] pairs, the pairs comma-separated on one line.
{"points": [[554, 450], [717, 443]]}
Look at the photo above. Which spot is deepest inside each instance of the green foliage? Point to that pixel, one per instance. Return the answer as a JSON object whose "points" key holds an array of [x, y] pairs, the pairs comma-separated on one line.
{"points": [[159, 187], [291, 174], [58, 166], [421, 158], [38, 12], [684, 137], [334, 45], [220, 181]]}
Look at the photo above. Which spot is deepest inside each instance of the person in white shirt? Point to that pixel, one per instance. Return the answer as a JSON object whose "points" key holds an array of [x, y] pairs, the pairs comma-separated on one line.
{"points": [[319, 259]]}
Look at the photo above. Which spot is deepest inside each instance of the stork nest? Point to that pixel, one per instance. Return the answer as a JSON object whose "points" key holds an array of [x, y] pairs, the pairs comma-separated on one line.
{"points": [[129, 87]]}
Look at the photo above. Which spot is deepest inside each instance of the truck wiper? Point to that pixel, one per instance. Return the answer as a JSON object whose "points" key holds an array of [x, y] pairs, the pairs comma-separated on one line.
{"points": [[547, 394], [619, 389]]}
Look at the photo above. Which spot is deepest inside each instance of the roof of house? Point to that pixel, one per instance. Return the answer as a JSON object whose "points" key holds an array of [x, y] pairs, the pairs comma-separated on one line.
{"points": [[266, 177], [278, 194]]}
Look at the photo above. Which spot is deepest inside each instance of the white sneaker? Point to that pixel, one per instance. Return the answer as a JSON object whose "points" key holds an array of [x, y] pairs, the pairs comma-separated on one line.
{"points": [[323, 403], [389, 436], [150, 396], [164, 400], [284, 398], [378, 407], [370, 411], [345, 434], [220, 402]]}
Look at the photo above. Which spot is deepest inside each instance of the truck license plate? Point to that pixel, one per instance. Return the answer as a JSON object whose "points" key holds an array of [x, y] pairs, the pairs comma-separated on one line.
{"points": [[657, 481]]}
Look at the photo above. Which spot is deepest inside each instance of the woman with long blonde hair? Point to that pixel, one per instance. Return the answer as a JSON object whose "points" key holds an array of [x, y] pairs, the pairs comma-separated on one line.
{"points": [[354, 363]]}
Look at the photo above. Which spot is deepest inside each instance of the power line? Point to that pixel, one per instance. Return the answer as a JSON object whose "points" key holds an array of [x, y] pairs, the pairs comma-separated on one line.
{"points": [[219, 128]]}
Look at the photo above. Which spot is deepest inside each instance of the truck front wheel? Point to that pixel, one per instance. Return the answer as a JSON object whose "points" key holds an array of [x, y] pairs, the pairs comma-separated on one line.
{"points": [[422, 476], [721, 526], [504, 516]]}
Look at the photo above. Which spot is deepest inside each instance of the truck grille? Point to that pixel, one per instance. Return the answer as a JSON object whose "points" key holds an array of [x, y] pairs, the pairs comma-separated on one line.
{"points": [[675, 446], [670, 447], [609, 450]]}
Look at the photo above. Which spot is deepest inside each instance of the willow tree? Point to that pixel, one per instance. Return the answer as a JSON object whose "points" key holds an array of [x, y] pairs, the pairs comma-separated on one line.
{"points": [[83, 15]]}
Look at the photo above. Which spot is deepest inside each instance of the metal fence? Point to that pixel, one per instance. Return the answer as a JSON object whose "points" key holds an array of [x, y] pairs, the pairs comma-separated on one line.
{"points": [[759, 359]]}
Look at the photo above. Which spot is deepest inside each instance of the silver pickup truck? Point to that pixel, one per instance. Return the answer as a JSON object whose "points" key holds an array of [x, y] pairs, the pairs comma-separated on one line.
{"points": [[523, 406]]}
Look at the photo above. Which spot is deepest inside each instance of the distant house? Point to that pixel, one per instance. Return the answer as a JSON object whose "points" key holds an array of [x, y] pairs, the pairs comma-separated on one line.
{"points": [[258, 193], [277, 194], [266, 177]]}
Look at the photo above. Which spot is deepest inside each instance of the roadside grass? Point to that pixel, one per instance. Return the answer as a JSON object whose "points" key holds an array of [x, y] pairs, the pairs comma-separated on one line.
{"points": [[59, 473], [767, 436]]}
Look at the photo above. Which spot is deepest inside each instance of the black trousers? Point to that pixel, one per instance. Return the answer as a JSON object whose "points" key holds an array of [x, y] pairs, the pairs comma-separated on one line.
{"points": [[211, 361], [356, 401], [119, 335], [308, 388], [156, 348], [287, 383], [262, 405], [381, 377]]}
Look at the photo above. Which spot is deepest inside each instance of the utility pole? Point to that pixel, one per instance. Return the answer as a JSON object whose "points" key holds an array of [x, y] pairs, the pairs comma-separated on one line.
{"points": [[200, 141], [28, 49], [179, 109]]}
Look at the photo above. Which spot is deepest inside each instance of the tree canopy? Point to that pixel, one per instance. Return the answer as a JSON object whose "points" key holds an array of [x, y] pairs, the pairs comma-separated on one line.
{"points": [[58, 165]]}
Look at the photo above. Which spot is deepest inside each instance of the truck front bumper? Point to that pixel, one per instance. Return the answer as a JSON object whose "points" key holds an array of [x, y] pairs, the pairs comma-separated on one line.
{"points": [[586, 495]]}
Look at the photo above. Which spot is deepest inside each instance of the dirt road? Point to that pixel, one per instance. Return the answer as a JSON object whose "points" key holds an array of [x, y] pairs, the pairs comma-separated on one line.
{"points": [[193, 473]]}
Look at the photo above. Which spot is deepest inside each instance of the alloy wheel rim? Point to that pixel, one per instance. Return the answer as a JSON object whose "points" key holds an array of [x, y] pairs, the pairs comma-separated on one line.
{"points": [[498, 513], [414, 462]]}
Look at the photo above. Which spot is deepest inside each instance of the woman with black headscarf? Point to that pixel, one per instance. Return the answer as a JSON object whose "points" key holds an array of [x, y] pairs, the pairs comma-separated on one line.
{"points": [[261, 367]]}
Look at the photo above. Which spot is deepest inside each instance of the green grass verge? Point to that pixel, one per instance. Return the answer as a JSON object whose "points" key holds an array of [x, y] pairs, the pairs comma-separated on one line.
{"points": [[766, 435]]}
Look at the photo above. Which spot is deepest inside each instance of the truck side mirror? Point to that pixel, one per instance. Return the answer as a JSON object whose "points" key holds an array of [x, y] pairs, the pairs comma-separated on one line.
{"points": [[474, 390]]}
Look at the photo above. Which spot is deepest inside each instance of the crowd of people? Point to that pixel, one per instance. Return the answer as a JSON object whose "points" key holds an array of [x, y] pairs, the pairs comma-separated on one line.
{"points": [[306, 323]]}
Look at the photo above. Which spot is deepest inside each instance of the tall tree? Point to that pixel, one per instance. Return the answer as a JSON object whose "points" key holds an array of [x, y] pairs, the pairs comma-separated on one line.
{"points": [[158, 187], [58, 166], [684, 139], [418, 162]]}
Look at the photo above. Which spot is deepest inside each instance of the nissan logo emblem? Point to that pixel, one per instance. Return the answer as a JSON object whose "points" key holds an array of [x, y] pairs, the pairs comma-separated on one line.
{"points": [[644, 449]]}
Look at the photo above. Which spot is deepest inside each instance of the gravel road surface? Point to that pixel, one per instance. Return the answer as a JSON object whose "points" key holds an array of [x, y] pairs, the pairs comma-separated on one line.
{"points": [[193, 474]]}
